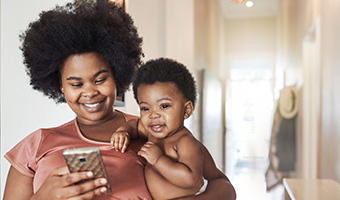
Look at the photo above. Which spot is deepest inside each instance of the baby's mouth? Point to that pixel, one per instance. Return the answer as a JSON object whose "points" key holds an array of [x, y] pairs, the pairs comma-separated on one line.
{"points": [[157, 128]]}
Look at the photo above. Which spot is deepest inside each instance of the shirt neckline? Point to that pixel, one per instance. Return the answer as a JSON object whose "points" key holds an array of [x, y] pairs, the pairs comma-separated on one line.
{"points": [[94, 141]]}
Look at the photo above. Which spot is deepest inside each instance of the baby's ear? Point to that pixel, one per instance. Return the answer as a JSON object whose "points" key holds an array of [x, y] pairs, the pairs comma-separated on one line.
{"points": [[188, 109]]}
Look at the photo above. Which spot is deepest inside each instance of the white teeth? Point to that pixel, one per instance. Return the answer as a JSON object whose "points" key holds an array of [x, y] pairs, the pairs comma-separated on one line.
{"points": [[91, 105]]}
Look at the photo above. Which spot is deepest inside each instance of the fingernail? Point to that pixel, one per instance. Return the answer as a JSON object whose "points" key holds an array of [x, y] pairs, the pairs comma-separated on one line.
{"points": [[89, 174], [103, 181], [103, 189]]}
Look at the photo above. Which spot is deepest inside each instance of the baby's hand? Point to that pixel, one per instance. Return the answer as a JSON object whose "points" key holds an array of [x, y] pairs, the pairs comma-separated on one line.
{"points": [[120, 141], [151, 152]]}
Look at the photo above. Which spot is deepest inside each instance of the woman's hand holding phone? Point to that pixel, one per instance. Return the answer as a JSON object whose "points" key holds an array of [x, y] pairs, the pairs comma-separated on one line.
{"points": [[60, 184]]}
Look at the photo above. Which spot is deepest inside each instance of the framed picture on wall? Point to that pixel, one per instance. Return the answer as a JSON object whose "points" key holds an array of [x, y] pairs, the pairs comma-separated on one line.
{"points": [[121, 3], [120, 101]]}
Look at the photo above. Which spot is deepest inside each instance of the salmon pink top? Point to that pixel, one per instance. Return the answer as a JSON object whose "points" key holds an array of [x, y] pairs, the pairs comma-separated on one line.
{"points": [[41, 152]]}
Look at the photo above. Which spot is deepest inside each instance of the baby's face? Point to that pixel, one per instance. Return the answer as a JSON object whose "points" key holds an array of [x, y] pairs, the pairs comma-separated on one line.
{"points": [[162, 108]]}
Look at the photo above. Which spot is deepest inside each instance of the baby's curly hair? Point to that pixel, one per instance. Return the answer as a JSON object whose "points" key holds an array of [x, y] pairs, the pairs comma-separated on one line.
{"points": [[166, 70], [77, 28]]}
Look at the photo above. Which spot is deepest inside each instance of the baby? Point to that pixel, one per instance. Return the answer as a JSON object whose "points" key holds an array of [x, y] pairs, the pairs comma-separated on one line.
{"points": [[166, 93]]}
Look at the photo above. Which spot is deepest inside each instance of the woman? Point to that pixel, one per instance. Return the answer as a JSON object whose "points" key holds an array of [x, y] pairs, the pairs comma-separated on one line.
{"points": [[84, 54]]}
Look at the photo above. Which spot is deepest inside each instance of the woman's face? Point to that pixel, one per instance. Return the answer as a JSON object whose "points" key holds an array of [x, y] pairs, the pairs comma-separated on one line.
{"points": [[89, 87]]}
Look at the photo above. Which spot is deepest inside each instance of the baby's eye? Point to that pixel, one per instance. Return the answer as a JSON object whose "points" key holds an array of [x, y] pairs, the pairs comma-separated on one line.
{"points": [[99, 81], [165, 105], [144, 109]]}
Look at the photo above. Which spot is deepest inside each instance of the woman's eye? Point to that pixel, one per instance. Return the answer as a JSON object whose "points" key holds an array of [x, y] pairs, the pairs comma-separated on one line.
{"points": [[76, 85], [165, 105], [99, 81]]}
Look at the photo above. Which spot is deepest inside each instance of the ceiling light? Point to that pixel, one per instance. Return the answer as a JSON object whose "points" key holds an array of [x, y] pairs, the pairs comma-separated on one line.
{"points": [[238, 1], [249, 4]]}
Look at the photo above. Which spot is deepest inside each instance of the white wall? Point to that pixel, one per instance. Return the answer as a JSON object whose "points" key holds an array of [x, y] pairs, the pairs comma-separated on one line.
{"points": [[23, 110], [296, 20], [330, 92]]}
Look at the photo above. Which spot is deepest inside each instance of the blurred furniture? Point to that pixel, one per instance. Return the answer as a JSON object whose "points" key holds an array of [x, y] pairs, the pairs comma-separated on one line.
{"points": [[318, 189]]}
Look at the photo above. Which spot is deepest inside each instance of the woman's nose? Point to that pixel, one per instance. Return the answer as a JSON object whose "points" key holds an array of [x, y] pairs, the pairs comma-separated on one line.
{"points": [[90, 91]]}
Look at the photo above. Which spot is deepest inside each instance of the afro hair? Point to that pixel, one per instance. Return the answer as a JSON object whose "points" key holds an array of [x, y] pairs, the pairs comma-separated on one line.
{"points": [[76, 28], [166, 70]]}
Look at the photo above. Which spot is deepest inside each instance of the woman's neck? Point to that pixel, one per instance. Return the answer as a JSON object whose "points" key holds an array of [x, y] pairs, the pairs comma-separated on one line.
{"points": [[102, 131]]}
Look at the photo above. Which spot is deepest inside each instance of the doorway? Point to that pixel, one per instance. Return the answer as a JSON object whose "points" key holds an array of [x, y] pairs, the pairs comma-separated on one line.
{"points": [[249, 113]]}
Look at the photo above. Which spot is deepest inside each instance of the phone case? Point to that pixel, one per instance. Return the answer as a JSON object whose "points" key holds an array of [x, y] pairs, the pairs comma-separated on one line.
{"points": [[86, 159]]}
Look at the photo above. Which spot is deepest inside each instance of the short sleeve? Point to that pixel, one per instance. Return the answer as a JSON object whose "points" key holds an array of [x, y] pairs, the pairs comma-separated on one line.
{"points": [[23, 156]]}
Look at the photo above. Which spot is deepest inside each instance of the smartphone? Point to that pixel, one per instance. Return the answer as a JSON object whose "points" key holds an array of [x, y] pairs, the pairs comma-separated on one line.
{"points": [[86, 159]]}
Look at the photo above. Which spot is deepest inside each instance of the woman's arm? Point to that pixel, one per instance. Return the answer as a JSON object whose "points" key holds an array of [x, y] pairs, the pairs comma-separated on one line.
{"points": [[18, 186], [219, 186], [58, 185]]}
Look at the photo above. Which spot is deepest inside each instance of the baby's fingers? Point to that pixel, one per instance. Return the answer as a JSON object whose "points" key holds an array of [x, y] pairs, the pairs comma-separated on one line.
{"points": [[120, 141], [125, 144], [118, 145], [113, 140]]}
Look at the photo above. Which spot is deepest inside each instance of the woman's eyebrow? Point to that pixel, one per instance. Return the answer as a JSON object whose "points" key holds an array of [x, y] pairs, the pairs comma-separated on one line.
{"points": [[73, 78], [95, 75], [100, 72]]}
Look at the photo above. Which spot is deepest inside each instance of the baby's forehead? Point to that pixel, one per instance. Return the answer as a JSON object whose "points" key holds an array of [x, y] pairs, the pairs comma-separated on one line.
{"points": [[161, 85], [170, 88]]}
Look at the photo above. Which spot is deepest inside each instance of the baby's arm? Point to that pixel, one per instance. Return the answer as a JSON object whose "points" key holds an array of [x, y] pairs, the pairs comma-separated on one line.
{"points": [[120, 139], [186, 172], [219, 186]]}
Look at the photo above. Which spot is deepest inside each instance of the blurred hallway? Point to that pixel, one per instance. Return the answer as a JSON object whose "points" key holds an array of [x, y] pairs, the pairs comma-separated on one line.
{"points": [[249, 182], [249, 112]]}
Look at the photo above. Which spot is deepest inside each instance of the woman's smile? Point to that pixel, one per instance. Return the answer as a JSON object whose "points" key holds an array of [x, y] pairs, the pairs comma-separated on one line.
{"points": [[93, 106]]}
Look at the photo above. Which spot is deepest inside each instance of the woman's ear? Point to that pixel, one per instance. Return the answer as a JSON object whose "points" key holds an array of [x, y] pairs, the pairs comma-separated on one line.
{"points": [[61, 89], [188, 109]]}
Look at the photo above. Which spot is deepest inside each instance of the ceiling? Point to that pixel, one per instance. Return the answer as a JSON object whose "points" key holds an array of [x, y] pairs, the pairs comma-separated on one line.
{"points": [[261, 8]]}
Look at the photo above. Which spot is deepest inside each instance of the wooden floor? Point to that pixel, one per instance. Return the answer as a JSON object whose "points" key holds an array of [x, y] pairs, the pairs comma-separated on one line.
{"points": [[249, 183]]}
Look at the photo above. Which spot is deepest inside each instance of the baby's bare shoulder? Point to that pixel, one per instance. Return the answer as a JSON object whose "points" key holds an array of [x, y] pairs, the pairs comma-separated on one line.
{"points": [[188, 139]]}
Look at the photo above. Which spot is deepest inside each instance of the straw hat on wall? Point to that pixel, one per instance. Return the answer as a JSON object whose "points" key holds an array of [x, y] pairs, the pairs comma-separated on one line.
{"points": [[288, 102]]}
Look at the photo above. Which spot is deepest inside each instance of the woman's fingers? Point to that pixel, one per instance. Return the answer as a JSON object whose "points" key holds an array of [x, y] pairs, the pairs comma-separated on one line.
{"points": [[88, 189], [60, 171], [76, 177], [61, 184], [90, 195]]}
